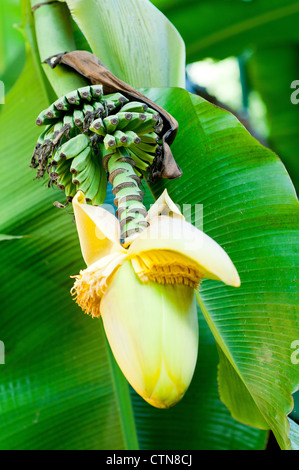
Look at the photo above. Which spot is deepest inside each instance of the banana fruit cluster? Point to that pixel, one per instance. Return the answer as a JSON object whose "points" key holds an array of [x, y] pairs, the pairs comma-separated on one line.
{"points": [[83, 129]]}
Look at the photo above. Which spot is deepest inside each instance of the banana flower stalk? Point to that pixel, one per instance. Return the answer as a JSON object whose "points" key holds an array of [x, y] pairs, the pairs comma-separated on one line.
{"points": [[145, 293]]}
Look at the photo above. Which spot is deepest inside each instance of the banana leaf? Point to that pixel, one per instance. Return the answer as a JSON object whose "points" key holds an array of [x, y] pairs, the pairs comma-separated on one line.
{"points": [[60, 387], [55, 393], [275, 89], [12, 50], [250, 208], [265, 30], [156, 50], [219, 29]]}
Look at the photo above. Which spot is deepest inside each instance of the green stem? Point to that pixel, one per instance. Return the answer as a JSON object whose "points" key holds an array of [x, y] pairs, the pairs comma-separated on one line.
{"points": [[54, 35], [128, 197]]}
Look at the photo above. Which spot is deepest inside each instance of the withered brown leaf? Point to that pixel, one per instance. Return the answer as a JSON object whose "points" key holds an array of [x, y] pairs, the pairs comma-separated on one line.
{"points": [[88, 65]]}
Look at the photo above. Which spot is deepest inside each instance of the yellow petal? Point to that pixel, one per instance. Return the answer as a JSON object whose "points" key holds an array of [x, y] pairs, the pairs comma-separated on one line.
{"points": [[153, 333], [164, 206], [98, 230], [199, 250]]}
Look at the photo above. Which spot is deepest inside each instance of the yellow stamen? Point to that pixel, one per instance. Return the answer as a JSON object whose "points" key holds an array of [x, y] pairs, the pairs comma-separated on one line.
{"points": [[166, 267], [92, 283]]}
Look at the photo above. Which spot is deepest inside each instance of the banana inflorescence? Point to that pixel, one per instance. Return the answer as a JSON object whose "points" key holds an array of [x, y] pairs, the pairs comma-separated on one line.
{"points": [[90, 137]]}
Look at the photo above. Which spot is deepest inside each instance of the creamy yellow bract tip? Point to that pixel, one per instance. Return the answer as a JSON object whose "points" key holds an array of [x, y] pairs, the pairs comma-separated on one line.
{"points": [[79, 198]]}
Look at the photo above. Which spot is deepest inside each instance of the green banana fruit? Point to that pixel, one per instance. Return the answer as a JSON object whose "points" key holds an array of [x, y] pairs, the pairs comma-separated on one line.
{"points": [[56, 160], [138, 173], [100, 196], [141, 154], [108, 105], [111, 123], [73, 98], [95, 182], [78, 117], [62, 167], [53, 113], [96, 90], [137, 122], [145, 124], [85, 184], [80, 177], [42, 119], [64, 179], [109, 142], [152, 111], [70, 191], [74, 146], [98, 108], [115, 99], [120, 138], [148, 148], [106, 154], [134, 106], [57, 128], [132, 138], [124, 120], [78, 126], [81, 160], [98, 127], [85, 93], [87, 109], [62, 104], [127, 153], [41, 138], [49, 135], [68, 121], [150, 138]]}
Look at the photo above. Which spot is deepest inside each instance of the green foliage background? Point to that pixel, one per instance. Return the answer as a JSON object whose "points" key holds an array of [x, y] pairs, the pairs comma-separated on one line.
{"points": [[60, 387]]}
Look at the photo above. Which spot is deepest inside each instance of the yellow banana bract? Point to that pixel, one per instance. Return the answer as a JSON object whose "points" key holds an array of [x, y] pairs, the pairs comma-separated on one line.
{"points": [[153, 333], [145, 293]]}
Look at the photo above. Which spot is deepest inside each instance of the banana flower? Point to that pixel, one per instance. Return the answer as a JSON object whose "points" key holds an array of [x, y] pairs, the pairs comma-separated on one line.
{"points": [[145, 293]]}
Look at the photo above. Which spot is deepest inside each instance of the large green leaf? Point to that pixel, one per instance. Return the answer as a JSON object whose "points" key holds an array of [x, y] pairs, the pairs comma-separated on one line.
{"points": [[275, 89], [12, 50], [221, 28], [60, 387], [251, 209], [266, 29], [200, 420], [133, 39]]}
